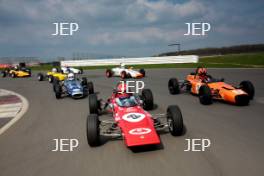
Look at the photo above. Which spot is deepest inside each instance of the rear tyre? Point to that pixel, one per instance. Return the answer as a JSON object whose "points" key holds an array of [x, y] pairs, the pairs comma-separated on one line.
{"points": [[58, 91], [147, 98], [174, 86], [143, 72], [123, 75], [205, 95], [93, 104], [108, 73], [40, 77], [90, 88], [174, 120], [248, 87], [93, 130]]}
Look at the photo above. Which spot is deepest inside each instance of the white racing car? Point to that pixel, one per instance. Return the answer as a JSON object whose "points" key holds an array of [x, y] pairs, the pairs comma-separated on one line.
{"points": [[124, 72], [67, 70]]}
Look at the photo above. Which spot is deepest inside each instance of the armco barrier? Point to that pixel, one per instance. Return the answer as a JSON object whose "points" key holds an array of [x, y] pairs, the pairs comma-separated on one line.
{"points": [[132, 61]]}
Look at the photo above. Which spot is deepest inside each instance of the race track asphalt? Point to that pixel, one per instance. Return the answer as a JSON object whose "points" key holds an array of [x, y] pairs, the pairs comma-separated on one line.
{"points": [[236, 133]]}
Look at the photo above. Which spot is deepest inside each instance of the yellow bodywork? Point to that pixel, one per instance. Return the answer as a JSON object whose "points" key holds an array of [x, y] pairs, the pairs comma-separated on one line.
{"points": [[59, 76], [19, 73]]}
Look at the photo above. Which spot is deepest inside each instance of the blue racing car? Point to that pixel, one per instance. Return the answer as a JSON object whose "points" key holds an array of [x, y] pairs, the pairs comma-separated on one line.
{"points": [[72, 87]]}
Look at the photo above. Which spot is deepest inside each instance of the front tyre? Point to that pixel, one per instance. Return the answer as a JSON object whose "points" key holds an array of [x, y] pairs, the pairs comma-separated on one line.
{"points": [[90, 88], [248, 87], [205, 95], [108, 73], [57, 90], [173, 86], [93, 130], [50, 79], [93, 104], [40, 77], [175, 120], [147, 98]]}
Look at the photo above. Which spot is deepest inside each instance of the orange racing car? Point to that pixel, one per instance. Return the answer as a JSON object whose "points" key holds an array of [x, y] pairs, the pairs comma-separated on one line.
{"points": [[209, 88]]}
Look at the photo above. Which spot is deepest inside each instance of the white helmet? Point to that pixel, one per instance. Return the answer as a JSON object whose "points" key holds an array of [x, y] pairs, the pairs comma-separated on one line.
{"points": [[54, 70], [70, 76]]}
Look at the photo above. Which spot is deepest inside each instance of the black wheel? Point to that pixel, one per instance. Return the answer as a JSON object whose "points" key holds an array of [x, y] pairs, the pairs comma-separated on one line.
{"points": [[108, 73], [248, 87], [84, 81], [174, 120], [93, 104], [205, 95], [123, 75], [174, 86], [143, 72], [50, 78], [90, 88], [40, 77], [93, 130], [58, 90], [147, 98], [3, 74], [13, 75], [54, 83]]}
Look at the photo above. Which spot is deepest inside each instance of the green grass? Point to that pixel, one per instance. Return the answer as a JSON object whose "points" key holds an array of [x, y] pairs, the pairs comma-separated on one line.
{"points": [[248, 60]]}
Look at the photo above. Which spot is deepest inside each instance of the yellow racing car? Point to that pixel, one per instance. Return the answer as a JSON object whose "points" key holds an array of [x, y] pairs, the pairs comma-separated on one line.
{"points": [[16, 72], [54, 73]]}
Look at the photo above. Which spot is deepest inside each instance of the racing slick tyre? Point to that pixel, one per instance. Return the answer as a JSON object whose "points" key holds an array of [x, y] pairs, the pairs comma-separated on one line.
{"points": [[123, 75], [248, 87], [205, 95], [50, 78], [108, 73], [84, 81], [143, 72], [147, 98], [55, 82], [90, 88], [93, 130], [40, 77], [58, 91], [93, 104], [3, 73], [174, 86], [174, 120], [13, 75]]}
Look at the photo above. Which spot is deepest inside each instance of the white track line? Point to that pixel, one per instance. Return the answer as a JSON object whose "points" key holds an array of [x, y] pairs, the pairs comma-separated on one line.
{"points": [[23, 110]]}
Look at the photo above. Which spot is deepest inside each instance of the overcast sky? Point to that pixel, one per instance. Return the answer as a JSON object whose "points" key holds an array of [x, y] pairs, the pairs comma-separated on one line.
{"points": [[125, 27]]}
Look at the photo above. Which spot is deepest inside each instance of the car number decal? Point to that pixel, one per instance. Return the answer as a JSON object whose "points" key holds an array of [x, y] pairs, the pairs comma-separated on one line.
{"points": [[139, 131], [133, 117]]}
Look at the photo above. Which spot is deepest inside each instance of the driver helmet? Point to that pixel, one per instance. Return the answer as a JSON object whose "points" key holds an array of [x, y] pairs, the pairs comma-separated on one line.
{"points": [[70, 76], [201, 71], [16, 67], [54, 70]]}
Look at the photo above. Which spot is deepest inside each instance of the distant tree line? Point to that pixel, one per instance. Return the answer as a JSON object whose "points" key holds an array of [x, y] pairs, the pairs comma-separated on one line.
{"points": [[219, 51]]}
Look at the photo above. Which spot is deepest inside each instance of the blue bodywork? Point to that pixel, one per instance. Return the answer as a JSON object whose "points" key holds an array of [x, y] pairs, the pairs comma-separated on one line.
{"points": [[74, 88]]}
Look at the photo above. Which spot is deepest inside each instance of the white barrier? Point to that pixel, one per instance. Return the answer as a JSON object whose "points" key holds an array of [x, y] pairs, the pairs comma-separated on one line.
{"points": [[132, 61]]}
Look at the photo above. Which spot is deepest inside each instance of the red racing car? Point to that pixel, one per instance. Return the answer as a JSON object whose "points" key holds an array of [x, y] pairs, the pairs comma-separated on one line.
{"points": [[130, 120]]}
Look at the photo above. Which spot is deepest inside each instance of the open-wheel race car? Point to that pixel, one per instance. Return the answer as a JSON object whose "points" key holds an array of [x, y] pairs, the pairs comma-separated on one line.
{"points": [[130, 119], [72, 87], [16, 72], [67, 70], [55, 73], [209, 88], [124, 72]]}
